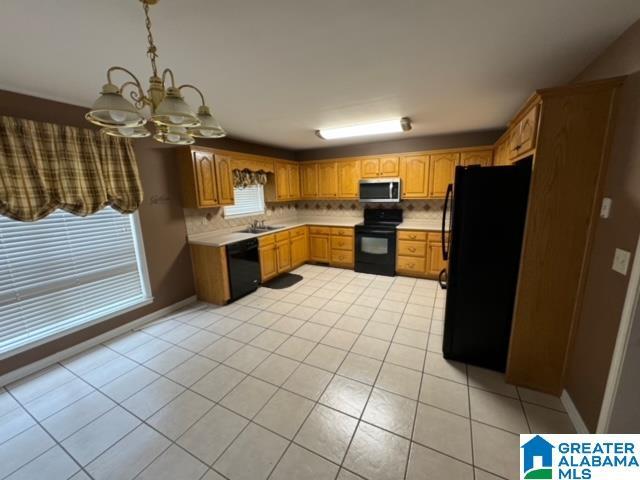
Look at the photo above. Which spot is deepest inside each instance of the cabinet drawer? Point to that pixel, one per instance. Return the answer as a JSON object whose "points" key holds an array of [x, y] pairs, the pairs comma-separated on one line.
{"points": [[412, 248], [282, 236], [410, 264], [342, 232], [411, 235], [319, 230], [266, 240], [341, 243], [341, 256], [297, 232]]}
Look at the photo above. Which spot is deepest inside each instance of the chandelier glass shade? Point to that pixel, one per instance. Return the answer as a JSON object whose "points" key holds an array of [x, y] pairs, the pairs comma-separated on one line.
{"points": [[174, 120]]}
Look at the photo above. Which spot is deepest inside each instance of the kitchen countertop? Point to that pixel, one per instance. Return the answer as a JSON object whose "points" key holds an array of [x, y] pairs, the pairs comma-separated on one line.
{"points": [[219, 239]]}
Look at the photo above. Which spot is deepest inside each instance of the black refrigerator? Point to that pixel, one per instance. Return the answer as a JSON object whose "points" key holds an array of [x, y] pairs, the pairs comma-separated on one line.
{"points": [[486, 221]]}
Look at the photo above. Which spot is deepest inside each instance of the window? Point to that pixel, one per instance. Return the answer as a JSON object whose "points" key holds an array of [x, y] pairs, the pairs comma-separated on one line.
{"points": [[248, 201], [64, 272]]}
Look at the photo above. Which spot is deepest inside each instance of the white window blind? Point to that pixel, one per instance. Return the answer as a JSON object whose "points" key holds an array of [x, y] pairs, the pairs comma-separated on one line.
{"points": [[248, 201], [65, 271]]}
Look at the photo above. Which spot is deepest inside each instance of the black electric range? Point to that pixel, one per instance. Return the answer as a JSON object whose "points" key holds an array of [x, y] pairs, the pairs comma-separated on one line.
{"points": [[376, 241]]}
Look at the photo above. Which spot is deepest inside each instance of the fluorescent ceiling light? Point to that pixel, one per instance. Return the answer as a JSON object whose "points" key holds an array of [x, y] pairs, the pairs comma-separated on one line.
{"points": [[375, 128]]}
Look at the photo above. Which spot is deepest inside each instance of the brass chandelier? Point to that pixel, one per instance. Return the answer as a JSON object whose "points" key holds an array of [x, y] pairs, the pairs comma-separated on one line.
{"points": [[175, 121]]}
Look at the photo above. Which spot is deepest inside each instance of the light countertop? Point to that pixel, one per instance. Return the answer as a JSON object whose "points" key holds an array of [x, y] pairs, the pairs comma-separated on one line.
{"points": [[219, 239]]}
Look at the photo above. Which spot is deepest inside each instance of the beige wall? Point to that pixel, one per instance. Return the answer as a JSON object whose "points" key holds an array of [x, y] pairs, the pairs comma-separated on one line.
{"points": [[161, 216], [605, 289]]}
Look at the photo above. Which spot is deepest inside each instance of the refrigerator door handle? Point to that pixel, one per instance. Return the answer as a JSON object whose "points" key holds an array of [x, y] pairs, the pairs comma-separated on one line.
{"points": [[445, 253], [442, 278]]}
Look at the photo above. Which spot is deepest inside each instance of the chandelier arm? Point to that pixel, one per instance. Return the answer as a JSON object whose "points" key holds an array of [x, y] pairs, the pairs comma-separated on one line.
{"points": [[139, 98], [167, 71], [188, 85], [135, 81]]}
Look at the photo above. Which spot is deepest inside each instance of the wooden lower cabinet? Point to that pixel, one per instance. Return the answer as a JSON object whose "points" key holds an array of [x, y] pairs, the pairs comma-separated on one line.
{"points": [[268, 262], [210, 273], [342, 247], [319, 247], [434, 261], [420, 254], [283, 252], [299, 247]]}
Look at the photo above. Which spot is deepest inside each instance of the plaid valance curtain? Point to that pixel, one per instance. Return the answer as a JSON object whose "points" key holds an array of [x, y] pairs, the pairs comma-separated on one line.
{"points": [[44, 166]]}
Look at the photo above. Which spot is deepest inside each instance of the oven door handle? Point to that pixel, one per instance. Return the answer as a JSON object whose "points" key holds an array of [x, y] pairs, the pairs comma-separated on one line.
{"points": [[376, 232]]}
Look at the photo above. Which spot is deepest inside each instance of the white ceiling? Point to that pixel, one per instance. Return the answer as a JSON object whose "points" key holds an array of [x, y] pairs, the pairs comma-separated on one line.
{"points": [[275, 70]]}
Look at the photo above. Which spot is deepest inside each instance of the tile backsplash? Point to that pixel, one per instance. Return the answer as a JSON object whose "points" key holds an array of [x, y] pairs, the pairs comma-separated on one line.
{"points": [[212, 219]]}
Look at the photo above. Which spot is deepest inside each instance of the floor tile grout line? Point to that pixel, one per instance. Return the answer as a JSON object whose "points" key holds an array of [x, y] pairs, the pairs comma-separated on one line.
{"points": [[52, 438], [364, 408], [415, 412], [144, 422], [272, 352]]}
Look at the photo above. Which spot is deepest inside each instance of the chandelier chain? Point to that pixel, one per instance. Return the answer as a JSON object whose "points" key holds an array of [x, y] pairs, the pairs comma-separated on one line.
{"points": [[152, 51]]}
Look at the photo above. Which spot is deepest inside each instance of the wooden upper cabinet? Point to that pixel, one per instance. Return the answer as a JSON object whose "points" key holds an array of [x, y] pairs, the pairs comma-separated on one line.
{"points": [[205, 179], [528, 130], [389, 167], [224, 176], [293, 171], [348, 178], [370, 167], [501, 152], [373, 167], [309, 180], [328, 179], [522, 135], [442, 168], [481, 157], [282, 180], [414, 173]]}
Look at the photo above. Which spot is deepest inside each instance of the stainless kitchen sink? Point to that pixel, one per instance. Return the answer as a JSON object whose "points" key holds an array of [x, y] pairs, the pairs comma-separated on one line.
{"points": [[266, 228]]}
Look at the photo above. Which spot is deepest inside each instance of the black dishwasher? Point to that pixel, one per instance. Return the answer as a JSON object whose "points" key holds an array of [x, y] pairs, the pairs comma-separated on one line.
{"points": [[243, 262]]}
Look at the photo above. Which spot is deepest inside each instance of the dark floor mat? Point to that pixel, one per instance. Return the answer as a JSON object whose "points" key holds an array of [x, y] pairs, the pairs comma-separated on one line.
{"points": [[283, 281]]}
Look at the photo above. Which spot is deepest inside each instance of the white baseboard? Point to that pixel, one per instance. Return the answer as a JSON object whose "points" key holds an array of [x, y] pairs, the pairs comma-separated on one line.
{"points": [[574, 415], [92, 342]]}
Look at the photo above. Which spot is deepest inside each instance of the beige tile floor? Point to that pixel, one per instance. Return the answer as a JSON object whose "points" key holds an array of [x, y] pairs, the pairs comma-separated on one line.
{"points": [[340, 376]]}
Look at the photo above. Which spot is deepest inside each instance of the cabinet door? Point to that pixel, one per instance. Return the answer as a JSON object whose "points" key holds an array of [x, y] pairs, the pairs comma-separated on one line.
{"points": [[224, 175], [283, 256], [481, 157], [442, 168], [268, 264], [513, 141], [501, 153], [348, 178], [309, 174], [414, 171], [435, 262], [370, 167], [205, 173], [389, 167], [319, 248], [528, 130], [282, 181], [294, 181], [327, 179], [299, 251]]}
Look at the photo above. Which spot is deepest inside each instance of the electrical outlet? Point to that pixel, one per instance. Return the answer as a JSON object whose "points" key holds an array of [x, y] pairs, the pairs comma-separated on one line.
{"points": [[621, 261]]}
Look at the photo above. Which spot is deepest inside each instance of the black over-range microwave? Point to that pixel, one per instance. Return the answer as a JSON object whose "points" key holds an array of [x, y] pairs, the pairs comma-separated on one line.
{"points": [[380, 190]]}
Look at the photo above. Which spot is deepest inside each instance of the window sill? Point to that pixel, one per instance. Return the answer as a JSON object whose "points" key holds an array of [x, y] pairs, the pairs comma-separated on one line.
{"points": [[121, 310], [243, 215]]}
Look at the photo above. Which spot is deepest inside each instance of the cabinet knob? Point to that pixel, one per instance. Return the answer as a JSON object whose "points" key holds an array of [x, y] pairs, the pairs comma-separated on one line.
{"points": [[412, 249]]}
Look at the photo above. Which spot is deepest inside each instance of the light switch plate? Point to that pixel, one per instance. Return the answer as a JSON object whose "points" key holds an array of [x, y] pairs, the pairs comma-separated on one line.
{"points": [[621, 261], [605, 209]]}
